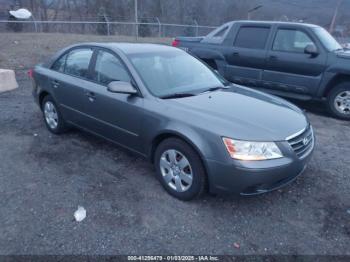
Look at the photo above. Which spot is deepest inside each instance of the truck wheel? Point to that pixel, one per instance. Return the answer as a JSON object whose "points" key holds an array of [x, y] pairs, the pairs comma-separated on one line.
{"points": [[339, 101]]}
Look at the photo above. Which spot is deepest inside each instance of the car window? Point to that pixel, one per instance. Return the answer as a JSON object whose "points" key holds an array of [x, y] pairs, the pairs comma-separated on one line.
{"points": [[252, 37], [77, 63], [289, 40], [59, 64], [222, 32], [327, 39], [172, 72], [109, 68]]}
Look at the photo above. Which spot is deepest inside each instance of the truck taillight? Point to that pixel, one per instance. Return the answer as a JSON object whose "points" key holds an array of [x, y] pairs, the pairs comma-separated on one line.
{"points": [[31, 73], [175, 43]]}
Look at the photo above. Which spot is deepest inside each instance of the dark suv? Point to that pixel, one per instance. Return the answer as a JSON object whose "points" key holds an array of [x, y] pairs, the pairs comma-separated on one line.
{"points": [[294, 60]]}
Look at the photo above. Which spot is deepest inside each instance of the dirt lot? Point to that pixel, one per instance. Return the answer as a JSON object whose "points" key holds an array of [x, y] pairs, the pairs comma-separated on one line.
{"points": [[43, 179], [22, 51]]}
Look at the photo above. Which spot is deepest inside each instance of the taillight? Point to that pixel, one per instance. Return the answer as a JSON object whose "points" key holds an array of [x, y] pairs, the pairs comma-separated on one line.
{"points": [[31, 73], [175, 43]]}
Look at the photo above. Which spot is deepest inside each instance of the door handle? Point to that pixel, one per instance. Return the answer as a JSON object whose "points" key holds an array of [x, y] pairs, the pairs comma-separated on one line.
{"points": [[91, 96], [55, 84], [273, 57], [235, 54]]}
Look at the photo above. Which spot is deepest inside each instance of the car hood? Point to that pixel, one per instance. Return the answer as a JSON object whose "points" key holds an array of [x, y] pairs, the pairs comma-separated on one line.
{"points": [[241, 113]]}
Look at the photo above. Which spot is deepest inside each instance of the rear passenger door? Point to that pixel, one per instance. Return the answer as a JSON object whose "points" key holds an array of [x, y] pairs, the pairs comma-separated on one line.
{"points": [[288, 68], [246, 60], [68, 78]]}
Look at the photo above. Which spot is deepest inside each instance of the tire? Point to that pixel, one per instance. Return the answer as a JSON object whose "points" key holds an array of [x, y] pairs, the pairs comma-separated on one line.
{"points": [[54, 122], [174, 150], [341, 91]]}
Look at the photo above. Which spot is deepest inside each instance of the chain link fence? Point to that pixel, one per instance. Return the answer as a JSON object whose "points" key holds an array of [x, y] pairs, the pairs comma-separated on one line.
{"points": [[140, 29], [344, 41]]}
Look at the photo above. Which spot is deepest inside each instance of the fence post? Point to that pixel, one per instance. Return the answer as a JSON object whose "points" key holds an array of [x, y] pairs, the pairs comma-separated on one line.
{"points": [[136, 20], [195, 22], [159, 28], [107, 22], [35, 25]]}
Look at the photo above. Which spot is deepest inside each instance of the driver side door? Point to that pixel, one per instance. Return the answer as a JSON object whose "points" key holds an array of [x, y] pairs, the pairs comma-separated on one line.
{"points": [[288, 68], [115, 116]]}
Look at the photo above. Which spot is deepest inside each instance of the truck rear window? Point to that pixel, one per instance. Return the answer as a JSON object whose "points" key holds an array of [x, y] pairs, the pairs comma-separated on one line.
{"points": [[252, 37], [222, 32]]}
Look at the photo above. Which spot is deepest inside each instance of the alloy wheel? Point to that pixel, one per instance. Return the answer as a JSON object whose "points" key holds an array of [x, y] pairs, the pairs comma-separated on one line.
{"points": [[176, 170], [51, 116], [342, 102]]}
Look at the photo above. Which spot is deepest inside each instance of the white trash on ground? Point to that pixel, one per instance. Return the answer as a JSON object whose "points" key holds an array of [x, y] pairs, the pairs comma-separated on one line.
{"points": [[7, 80], [21, 14], [80, 214]]}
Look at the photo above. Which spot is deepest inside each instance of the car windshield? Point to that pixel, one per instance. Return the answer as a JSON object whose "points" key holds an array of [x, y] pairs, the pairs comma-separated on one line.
{"points": [[174, 72], [327, 39]]}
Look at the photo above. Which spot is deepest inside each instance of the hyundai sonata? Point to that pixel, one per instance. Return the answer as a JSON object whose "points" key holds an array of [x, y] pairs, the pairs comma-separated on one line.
{"points": [[201, 132]]}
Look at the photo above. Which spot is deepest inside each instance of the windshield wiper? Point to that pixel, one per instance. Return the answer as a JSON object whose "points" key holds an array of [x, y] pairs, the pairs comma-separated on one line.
{"points": [[177, 95], [212, 89], [218, 88]]}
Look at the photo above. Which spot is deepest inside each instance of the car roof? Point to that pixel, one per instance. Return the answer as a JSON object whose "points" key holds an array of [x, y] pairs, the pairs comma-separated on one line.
{"points": [[273, 23], [132, 48], [126, 48]]}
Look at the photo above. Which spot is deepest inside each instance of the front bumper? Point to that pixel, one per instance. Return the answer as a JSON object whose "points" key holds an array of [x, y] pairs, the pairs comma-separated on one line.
{"points": [[256, 177]]}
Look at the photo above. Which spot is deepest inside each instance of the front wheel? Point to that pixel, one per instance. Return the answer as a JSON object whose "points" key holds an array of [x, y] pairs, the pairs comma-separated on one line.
{"points": [[339, 101], [180, 169]]}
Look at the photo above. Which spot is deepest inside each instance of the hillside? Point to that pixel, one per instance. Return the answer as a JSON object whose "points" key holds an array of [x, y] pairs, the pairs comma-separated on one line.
{"points": [[205, 12]]}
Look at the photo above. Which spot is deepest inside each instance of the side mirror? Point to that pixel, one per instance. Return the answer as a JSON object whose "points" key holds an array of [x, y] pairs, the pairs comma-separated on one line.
{"points": [[121, 88], [311, 49]]}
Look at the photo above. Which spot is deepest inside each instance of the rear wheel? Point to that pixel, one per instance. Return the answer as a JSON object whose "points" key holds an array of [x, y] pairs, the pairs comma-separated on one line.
{"points": [[339, 101], [180, 169], [52, 116]]}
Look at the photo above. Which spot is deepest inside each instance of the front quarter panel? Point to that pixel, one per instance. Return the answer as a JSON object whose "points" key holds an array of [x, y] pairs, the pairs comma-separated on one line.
{"points": [[161, 120], [337, 66]]}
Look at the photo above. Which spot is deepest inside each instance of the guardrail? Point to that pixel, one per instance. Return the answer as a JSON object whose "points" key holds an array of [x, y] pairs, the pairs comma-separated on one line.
{"points": [[108, 27]]}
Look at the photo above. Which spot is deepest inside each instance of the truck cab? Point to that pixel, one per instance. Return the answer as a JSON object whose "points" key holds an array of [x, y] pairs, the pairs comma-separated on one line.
{"points": [[293, 60]]}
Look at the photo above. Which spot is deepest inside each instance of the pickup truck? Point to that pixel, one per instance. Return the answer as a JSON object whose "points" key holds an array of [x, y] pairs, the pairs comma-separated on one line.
{"points": [[293, 60]]}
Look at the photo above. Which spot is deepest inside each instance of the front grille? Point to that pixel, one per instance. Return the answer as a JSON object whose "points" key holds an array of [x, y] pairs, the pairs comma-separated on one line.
{"points": [[303, 143]]}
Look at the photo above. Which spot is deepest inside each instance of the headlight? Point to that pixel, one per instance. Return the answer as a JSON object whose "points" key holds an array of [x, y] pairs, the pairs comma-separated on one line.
{"points": [[246, 150]]}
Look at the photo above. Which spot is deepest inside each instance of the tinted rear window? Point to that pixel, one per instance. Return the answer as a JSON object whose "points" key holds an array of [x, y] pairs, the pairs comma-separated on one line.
{"points": [[252, 37], [222, 32], [60, 64]]}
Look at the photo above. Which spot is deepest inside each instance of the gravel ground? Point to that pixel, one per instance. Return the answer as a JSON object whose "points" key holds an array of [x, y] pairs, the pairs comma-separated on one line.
{"points": [[43, 179]]}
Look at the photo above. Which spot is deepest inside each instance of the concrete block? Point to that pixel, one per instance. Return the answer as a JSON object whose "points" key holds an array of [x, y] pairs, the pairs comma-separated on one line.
{"points": [[7, 80]]}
